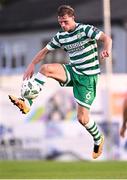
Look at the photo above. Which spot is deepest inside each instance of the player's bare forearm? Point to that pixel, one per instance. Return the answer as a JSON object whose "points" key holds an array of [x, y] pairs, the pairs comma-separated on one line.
{"points": [[107, 43], [39, 57]]}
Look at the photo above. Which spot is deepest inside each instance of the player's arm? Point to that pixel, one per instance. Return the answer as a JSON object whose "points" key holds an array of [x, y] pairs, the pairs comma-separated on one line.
{"points": [[124, 123], [94, 33], [107, 45], [52, 45], [38, 57]]}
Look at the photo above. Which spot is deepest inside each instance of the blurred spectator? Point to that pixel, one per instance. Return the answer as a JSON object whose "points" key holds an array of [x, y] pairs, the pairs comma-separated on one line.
{"points": [[124, 123]]}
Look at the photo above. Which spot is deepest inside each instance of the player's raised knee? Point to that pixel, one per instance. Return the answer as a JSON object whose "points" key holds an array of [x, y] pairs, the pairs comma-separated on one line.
{"points": [[48, 69], [45, 69]]}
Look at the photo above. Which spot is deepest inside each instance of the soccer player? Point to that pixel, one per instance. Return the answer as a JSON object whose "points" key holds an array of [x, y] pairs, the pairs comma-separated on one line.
{"points": [[80, 42], [124, 123]]}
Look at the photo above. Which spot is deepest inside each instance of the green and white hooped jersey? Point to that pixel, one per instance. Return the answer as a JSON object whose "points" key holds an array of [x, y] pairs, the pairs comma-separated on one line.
{"points": [[81, 46]]}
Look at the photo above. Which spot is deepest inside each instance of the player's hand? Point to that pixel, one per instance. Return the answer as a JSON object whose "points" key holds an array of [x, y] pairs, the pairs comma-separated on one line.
{"points": [[29, 71], [122, 131], [104, 54]]}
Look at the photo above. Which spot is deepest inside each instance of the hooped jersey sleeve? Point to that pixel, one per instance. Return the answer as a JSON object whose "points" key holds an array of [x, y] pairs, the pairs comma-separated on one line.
{"points": [[92, 32], [54, 43]]}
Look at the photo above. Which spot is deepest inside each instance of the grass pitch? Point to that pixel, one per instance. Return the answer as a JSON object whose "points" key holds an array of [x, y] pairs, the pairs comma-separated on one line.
{"points": [[63, 170]]}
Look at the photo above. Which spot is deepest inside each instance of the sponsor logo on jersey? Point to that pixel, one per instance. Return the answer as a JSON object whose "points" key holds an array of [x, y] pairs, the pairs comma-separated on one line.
{"points": [[75, 46]]}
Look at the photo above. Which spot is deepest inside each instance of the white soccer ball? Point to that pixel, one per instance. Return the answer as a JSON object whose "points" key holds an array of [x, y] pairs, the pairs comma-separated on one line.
{"points": [[30, 89]]}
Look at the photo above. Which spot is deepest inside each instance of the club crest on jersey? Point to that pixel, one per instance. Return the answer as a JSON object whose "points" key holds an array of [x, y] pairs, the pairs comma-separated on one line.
{"points": [[79, 35]]}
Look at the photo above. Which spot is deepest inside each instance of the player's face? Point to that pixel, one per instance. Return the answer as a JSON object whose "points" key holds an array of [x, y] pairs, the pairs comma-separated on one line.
{"points": [[66, 22]]}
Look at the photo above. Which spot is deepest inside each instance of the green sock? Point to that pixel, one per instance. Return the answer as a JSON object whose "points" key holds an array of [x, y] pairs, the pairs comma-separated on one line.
{"points": [[39, 81], [30, 101], [40, 78], [92, 128]]}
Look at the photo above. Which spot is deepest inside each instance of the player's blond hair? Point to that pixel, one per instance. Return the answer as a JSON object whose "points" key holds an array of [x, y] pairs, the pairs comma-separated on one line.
{"points": [[65, 9]]}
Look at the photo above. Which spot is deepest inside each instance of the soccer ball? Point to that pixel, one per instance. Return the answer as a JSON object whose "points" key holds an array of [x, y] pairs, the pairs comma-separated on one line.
{"points": [[30, 89]]}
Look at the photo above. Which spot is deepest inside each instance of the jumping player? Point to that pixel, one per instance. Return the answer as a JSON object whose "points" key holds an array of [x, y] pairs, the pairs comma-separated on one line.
{"points": [[80, 42]]}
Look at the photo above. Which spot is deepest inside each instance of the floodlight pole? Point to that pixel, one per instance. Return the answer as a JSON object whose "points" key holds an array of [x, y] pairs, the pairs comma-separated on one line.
{"points": [[107, 30]]}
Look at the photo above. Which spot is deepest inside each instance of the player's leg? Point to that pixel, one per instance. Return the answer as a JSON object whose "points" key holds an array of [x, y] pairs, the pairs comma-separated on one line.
{"points": [[55, 71], [22, 104], [91, 127], [84, 93]]}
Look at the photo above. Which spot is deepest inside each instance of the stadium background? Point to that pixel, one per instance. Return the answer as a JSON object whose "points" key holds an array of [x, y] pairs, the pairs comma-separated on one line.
{"points": [[50, 131]]}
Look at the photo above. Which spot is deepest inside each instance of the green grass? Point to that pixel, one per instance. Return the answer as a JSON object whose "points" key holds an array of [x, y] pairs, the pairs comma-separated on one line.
{"points": [[63, 170]]}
